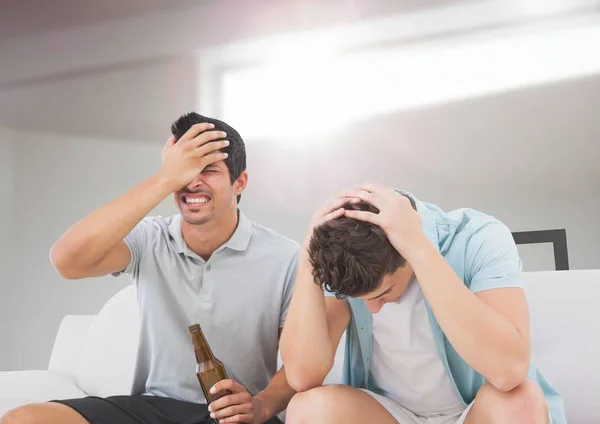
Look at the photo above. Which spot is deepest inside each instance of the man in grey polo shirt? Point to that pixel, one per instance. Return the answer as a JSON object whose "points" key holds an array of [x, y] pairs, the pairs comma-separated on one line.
{"points": [[210, 265]]}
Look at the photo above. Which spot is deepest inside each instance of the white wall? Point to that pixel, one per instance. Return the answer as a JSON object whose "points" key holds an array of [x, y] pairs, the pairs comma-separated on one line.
{"points": [[7, 169], [7, 144], [287, 198], [527, 157], [59, 181], [137, 101]]}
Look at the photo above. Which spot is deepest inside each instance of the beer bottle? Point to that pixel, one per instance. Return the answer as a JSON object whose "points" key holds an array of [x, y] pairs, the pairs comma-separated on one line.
{"points": [[208, 369]]}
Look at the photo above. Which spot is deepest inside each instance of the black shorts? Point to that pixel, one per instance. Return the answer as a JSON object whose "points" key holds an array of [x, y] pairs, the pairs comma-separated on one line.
{"points": [[141, 410]]}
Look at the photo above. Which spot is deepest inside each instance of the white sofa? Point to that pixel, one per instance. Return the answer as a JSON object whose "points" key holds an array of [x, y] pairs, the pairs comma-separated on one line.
{"points": [[94, 354]]}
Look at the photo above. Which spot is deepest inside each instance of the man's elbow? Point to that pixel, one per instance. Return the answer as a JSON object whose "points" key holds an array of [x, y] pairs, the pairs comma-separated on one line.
{"points": [[304, 383], [62, 261], [302, 379], [511, 375]]}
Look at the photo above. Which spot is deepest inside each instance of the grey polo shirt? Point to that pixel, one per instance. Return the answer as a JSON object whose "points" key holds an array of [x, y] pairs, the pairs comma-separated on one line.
{"points": [[240, 297]]}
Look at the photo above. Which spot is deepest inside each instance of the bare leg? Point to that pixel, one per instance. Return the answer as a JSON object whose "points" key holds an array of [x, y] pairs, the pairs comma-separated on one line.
{"points": [[336, 404], [523, 405], [43, 413]]}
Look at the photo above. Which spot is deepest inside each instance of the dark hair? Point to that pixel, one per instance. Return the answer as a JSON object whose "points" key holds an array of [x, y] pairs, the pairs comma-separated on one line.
{"points": [[350, 257], [236, 161]]}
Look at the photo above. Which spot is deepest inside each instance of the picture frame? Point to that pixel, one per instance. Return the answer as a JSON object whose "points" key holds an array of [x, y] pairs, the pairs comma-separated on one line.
{"points": [[557, 237]]}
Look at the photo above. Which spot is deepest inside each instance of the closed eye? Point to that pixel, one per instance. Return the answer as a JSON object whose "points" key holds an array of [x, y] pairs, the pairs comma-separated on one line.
{"points": [[382, 294]]}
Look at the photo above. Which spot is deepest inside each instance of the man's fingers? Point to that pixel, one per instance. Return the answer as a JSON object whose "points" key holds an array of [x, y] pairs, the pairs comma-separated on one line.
{"points": [[366, 216], [195, 130], [333, 204], [333, 209], [209, 159], [170, 141], [335, 214], [378, 189], [231, 410], [331, 215], [228, 384], [211, 147], [207, 137], [244, 418], [225, 404], [370, 197], [389, 195]]}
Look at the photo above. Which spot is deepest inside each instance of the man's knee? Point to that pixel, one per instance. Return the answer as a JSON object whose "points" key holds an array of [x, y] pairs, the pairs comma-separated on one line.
{"points": [[27, 414], [42, 413], [524, 404], [312, 406]]}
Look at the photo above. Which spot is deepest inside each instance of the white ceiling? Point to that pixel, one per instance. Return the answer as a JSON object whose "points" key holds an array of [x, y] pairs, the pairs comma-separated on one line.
{"points": [[27, 17]]}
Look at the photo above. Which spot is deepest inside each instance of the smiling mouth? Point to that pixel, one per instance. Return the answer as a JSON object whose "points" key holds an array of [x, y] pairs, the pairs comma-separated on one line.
{"points": [[195, 201]]}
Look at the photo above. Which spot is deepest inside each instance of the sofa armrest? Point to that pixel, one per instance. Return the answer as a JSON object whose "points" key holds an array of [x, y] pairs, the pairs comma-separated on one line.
{"points": [[69, 344]]}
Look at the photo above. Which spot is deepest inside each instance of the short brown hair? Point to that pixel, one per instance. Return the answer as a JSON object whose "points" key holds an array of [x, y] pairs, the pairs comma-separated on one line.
{"points": [[350, 257]]}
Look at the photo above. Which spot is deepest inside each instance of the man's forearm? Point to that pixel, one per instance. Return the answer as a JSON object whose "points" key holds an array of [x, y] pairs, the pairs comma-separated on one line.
{"points": [[306, 347], [484, 338], [89, 240], [276, 396]]}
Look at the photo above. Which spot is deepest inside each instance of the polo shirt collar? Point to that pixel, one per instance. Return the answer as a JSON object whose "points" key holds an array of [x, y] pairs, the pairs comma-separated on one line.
{"points": [[239, 240]]}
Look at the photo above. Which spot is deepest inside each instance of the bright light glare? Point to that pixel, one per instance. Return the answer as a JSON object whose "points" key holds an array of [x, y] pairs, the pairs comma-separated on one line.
{"points": [[306, 96]]}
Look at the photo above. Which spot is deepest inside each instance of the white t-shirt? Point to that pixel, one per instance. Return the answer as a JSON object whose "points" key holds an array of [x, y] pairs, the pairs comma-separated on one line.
{"points": [[406, 365]]}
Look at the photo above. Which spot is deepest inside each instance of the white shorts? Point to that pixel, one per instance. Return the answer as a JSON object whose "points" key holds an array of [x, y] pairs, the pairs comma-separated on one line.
{"points": [[406, 416]]}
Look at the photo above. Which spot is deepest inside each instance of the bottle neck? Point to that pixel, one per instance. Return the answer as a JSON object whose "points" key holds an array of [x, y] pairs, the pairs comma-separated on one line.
{"points": [[201, 347]]}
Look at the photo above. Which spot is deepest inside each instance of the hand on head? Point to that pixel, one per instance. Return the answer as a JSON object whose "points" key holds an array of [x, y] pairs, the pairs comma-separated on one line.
{"points": [[184, 159], [392, 212]]}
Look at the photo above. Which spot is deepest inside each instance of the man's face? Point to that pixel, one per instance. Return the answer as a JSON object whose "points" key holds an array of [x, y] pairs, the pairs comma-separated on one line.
{"points": [[390, 290], [210, 195]]}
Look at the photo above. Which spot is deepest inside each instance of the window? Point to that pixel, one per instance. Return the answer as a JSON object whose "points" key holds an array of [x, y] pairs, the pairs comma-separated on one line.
{"points": [[290, 88]]}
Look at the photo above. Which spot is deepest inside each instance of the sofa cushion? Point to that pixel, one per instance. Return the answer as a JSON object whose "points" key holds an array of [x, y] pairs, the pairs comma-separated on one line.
{"points": [[21, 387], [108, 360]]}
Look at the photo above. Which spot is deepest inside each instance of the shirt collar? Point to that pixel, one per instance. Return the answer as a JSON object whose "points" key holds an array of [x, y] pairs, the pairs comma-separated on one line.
{"points": [[239, 240]]}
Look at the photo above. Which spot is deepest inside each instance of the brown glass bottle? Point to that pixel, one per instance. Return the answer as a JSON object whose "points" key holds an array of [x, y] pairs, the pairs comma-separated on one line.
{"points": [[208, 369]]}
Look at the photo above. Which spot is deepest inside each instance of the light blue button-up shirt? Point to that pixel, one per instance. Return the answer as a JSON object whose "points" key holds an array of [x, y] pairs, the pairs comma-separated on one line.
{"points": [[482, 252]]}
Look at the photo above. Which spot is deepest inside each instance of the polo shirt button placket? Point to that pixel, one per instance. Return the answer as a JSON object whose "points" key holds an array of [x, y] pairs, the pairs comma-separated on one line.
{"points": [[207, 286]]}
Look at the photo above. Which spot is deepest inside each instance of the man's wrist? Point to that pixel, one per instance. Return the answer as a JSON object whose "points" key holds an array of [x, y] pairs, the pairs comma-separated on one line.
{"points": [[163, 184], [264, 413], [304, 266], [420, 252]]}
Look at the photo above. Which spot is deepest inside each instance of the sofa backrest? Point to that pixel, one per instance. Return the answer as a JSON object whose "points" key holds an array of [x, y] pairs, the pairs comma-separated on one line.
{"points": [[109, 355], [565, 333], [565, 336]]}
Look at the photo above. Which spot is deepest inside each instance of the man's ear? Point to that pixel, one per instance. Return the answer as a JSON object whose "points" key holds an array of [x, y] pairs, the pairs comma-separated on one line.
{"points": [[240, 183]]}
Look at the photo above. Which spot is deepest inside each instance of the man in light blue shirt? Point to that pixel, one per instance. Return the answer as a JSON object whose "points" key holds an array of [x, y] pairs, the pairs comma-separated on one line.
{"points": [[435, 315]]}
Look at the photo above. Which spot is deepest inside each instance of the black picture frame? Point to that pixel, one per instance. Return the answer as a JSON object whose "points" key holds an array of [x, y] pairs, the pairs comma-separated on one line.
{"points": [[557, 237]]}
